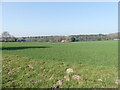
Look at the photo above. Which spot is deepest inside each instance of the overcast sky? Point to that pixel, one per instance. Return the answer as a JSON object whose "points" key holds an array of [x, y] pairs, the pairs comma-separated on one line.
{"points": [[59, 18]]}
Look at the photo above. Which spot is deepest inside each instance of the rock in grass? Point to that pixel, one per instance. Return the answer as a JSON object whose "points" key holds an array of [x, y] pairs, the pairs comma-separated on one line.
{"points": [[77, 77], [117, 82], [9, 73], [0, 71], [100, 80], [67, 78], [58, 83], [69, 70], [30, 66], [55, 86]]}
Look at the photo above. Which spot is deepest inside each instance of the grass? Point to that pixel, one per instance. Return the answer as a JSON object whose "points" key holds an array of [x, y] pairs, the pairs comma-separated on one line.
{"points": [[37, 65], [94, 53], [43, 74]]}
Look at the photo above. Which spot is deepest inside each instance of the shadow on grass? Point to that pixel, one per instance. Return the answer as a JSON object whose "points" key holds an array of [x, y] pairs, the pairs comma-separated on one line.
{"points": [[22, 47]]}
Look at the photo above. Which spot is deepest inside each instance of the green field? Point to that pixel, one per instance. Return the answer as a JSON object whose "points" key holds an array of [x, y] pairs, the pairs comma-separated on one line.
{"points": [[95, 62]]}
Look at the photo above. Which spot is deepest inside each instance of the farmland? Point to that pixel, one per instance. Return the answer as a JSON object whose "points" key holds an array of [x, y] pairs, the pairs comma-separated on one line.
{"points": [[37, 65]]}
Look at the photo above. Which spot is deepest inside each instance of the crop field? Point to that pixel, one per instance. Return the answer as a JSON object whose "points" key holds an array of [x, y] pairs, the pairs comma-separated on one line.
{"points": [[42, 65]]}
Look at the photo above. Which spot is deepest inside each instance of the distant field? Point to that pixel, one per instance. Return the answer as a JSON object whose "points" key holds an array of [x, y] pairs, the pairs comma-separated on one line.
{"points": [[93, 61], [94, 53]]}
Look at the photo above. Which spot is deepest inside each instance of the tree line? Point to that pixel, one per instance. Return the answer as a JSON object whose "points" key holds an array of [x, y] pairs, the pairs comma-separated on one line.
{"points": [[6, 37]]}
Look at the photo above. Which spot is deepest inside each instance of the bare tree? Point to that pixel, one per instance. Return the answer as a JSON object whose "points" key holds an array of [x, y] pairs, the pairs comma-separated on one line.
{"points": [[6, 37]]}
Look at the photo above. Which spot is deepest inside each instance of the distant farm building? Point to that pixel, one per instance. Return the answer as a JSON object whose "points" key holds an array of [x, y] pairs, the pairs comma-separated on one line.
{"points": [[21, 40], [116, 39], [63, 41]]}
